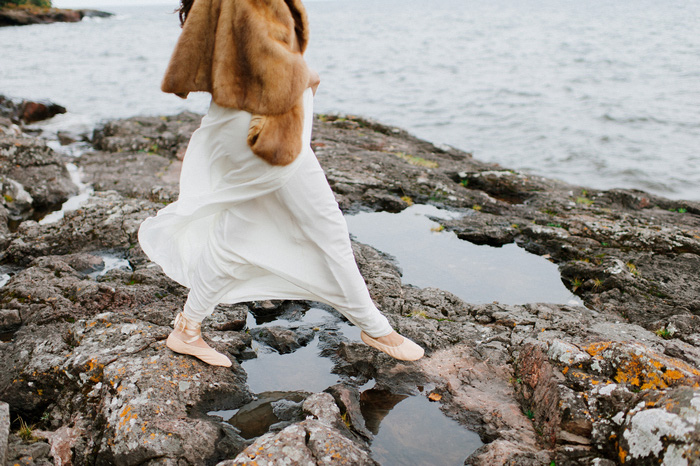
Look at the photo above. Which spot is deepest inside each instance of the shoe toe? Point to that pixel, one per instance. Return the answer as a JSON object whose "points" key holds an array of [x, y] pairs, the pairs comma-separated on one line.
{"points": [[207, 355], [406, 351]]}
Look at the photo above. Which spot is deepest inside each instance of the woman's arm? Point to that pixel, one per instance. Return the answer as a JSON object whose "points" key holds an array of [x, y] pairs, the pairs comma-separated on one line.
{"points": [[314, 80]]}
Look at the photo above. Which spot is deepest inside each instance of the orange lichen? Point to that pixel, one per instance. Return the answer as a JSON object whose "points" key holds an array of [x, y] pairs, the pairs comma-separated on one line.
{"points": [[126, 417], [596, 348], [673, 374], [622, 454], [641, 367]]}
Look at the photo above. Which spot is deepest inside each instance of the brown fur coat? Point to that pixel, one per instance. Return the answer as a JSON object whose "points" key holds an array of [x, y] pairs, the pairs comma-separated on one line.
{"points": [[249, 55]]}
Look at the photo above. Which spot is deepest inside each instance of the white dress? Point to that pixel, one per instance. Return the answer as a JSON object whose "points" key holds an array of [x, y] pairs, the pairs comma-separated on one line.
{"points": [[244, 230]]}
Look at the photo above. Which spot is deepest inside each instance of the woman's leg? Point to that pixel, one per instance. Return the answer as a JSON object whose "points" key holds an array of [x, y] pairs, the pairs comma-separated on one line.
{"points": [[208, 283], [315, 213]]}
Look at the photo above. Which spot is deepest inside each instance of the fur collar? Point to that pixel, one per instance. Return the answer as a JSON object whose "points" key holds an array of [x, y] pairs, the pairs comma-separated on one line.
{"points": [[249, 55]]}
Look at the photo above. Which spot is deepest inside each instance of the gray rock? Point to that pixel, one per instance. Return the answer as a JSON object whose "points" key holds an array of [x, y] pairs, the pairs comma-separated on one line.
{"points": [[321, 406], [286, 410], [17, 201], [283, 340], [666, 432], [10, 320], [167, 136], [348, 400], [42, 174], [308, 443]]}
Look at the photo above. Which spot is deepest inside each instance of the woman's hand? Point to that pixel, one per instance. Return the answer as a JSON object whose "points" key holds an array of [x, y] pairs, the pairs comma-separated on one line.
{"points": [[314, 80]]}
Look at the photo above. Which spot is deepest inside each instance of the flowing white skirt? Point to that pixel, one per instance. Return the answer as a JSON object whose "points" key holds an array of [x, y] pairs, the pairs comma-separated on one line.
{"points": [[244, 230]]}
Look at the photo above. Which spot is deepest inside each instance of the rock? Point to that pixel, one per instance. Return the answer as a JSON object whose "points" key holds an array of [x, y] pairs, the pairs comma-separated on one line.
{"points": [[347, 398], [32, 451], [133, 174], [117, 371], [286, 410], [165, 136], [66, 137], [88, 13], [26, 16], [62, 442], [10, 320], [227, 317], [556, 410], [321, 406], [666, 431], [4, 430], [307, 443], [31, 112], [42, 174], [18, 202], [106, 221], [282, 339], [83, 262], [4, 227]]}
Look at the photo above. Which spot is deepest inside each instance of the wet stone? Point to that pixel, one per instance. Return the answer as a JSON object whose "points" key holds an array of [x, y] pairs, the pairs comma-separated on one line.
{"points": [[282, 339], [348, 400], [268, 408]]}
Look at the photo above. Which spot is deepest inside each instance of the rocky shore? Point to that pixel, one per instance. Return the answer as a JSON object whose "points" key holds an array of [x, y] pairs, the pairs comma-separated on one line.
{"points": [[24, 16], [85, 377]]}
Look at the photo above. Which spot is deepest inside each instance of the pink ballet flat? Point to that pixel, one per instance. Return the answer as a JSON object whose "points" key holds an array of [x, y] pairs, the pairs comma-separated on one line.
{"points": [[406, 351], [194, 332]]}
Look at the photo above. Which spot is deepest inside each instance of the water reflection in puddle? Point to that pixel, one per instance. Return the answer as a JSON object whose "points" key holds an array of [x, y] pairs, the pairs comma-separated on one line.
{"points": [[413, 430], [407, 429], [302, 370], [477, 274], [255, 418]]}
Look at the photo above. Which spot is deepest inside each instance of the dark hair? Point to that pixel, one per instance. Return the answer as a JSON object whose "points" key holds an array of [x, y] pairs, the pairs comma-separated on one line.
{"points": [[184, 9]]}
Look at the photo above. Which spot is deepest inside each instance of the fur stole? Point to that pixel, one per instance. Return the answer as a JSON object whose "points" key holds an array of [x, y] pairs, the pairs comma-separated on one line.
{"points": [[249, 55]]}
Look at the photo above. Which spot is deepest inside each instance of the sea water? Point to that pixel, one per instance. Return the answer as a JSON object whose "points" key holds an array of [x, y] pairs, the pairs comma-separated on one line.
{"points": [[598, 93]]}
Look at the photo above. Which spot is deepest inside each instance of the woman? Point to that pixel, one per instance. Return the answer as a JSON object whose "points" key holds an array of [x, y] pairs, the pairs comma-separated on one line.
{"points": [[256, 218]]}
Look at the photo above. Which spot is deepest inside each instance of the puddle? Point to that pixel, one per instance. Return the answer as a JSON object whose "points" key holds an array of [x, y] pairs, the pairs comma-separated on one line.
{"points": [[74, 202], [303, 370], [477, 274], [111, 262], [255, 418], [413, 430], [407, 429]]}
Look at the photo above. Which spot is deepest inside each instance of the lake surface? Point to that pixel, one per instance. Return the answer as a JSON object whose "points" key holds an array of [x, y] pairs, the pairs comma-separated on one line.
{"points": [[603, 94]]}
